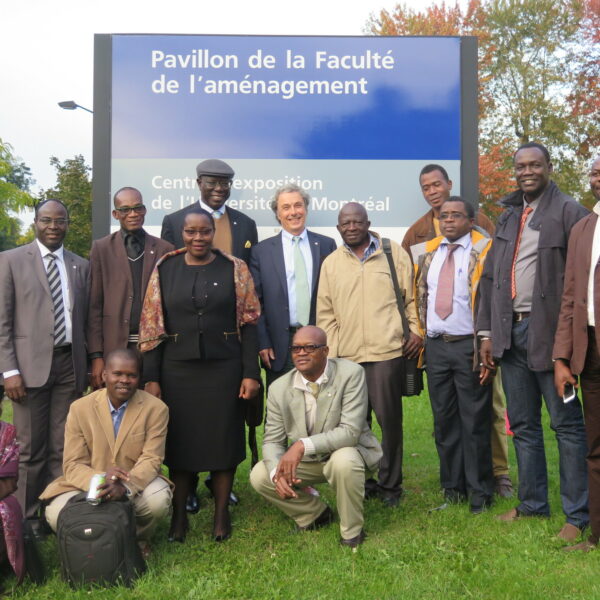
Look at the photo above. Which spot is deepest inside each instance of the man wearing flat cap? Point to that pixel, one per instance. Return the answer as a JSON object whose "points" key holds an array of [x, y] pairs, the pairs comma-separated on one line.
{"points": [[235, 232]]}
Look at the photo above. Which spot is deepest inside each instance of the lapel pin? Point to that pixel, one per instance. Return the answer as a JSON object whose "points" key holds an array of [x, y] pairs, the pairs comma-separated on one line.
{"points": [[248, 244], [151, 251]]}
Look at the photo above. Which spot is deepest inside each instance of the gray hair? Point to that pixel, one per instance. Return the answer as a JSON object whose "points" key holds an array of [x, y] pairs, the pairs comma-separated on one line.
{"points": [[287, 189]]}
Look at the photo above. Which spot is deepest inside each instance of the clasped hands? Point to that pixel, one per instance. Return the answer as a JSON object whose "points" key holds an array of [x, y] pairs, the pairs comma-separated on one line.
{"points": [[113, 489], [285, 475]]}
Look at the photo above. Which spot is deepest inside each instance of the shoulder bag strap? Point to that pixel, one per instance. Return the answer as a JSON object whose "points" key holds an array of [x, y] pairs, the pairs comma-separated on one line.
{"points": [[387, 250]]}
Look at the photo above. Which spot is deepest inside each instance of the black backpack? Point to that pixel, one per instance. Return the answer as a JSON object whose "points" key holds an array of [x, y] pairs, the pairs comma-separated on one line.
{"points": [[97, 544]]}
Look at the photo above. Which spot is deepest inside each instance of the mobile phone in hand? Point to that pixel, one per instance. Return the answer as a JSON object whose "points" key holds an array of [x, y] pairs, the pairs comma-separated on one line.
{"points": [[569, 393]]}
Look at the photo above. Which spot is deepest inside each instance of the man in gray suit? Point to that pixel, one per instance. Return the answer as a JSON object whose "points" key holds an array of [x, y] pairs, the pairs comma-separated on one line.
{"points": [[43, 360], [331, 439]]}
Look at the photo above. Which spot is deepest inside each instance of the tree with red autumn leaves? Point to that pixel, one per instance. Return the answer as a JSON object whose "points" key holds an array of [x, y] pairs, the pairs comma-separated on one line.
{"points": [[539, 67]]}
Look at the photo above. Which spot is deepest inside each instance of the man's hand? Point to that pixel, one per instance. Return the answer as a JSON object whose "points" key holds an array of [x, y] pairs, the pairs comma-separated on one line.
{"points": [[113, 489], [485, 355], [249, 388], [14, 388], [486, 376], [153, 387], [97, 368], [266, 356], [562, 376], [285, 475], [412, 346]]}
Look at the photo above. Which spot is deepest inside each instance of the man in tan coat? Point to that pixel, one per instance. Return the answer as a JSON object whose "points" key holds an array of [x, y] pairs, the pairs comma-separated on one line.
{"points": [[356, 306], [120, 431]]}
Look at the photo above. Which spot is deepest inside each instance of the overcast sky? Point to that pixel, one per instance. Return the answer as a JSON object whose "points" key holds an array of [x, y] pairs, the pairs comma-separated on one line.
{"points": [[47, 55]]}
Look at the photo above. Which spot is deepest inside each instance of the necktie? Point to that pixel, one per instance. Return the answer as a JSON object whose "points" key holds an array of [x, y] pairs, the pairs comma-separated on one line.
{"points": [[132, 246], [314, 388], [445, 287], [216, 215], [513, 283], [60, 326], [301, 281]]}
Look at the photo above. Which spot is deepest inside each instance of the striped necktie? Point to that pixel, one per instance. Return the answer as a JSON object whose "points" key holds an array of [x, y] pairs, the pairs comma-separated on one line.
{"points": [[60, 326], [445, 288]]}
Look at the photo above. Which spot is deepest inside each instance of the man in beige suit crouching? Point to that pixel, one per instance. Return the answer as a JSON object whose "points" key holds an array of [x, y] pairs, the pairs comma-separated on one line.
{"points": [[118, 430], [321, 407]]}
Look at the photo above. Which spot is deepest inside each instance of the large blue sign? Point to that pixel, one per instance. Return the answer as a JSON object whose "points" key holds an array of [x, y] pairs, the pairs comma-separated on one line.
{"points": [[347, 118]]}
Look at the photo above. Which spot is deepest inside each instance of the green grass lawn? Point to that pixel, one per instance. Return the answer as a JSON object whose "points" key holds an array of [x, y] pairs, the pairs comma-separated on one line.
{"points": [[409, 552]]}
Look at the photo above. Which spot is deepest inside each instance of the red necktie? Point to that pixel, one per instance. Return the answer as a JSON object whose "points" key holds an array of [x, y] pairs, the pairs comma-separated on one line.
{"points": [[513, 283], [445, 288]]}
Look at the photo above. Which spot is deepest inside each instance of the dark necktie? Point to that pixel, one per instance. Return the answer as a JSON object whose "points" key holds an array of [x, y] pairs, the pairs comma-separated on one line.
{"points": [[445, 287], [60, 326], [132, 246], [513, 282]]}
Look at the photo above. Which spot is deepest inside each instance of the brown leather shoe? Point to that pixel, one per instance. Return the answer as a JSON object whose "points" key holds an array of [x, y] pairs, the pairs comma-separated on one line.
{"points": [[325, 518], [503, 486], [354, 542], [508, 517], [569, 533], [585, 546]]}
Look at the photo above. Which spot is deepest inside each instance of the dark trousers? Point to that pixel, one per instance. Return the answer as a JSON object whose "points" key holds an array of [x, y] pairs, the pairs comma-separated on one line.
{"points": [[270, 375], [384, 384], [590, 386], [40, 423], [462, 417], [524, 390]]}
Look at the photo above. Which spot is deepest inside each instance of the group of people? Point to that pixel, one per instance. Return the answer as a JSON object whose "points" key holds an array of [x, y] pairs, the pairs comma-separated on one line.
{"points": [[172, 330]]}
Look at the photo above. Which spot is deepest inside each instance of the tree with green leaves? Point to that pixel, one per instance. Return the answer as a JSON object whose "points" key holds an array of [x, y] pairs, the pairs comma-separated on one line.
{"points": [[74, 188], [539, 66], [15, 181]]}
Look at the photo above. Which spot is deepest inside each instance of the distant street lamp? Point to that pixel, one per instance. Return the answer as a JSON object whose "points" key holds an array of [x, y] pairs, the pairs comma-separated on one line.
{"points": [[71, 105]]}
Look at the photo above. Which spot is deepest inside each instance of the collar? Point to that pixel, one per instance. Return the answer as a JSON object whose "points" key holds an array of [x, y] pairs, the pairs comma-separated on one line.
{"points": [[301, 383], [114, 410], [59, 252], [139, 235], [596, 208], [288, 236], [210, 210], [463, 241]]}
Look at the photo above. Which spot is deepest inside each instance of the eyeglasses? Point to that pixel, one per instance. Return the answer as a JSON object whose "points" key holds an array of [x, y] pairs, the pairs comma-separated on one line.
{"points": [[308, 348], [452, 215], [139, 209], [48, 221], [194, 232], [211, 183]]}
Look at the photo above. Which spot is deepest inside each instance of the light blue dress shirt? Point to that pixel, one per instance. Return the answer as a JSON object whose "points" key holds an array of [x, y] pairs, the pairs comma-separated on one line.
{"points": [[116, 415], [288, 257]]}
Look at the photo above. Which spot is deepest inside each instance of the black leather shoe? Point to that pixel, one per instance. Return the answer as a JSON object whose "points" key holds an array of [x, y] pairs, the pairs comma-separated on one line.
{"points": [[325, 518], [354, 542], [478, 505], [390, 500], [503, 486], [454, 497], [38, 529], [178, 531], [192, 504]]}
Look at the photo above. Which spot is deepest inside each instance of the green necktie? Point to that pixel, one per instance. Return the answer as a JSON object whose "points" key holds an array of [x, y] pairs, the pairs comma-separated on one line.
{"points": [[314, 388], [302, 289]]}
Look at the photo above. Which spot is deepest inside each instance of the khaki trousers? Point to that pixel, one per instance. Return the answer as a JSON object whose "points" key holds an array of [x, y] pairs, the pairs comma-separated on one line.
{"points": [[151, 505], [499, 437], [345, 473]]}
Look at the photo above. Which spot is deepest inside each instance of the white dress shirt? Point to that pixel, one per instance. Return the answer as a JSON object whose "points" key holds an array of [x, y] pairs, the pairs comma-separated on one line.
{"points": [[460, 321]]}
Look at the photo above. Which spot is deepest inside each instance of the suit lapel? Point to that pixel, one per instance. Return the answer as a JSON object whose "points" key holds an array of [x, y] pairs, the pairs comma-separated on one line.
{"points": [[585, 241], [298, 410], [279, 265], [71, 268], [33, 252], [103, 415], [129, 418], [149, 261], [326, 397], [315, 250]]}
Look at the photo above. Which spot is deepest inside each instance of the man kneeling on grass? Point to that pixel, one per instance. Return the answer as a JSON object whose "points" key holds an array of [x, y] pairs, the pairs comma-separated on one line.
{"points": [[121, 431], [321, 407]]}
